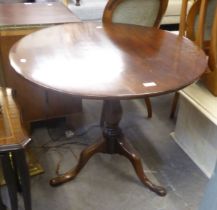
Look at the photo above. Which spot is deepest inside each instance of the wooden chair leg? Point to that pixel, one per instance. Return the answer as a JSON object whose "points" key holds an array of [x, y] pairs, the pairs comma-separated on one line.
{"points": [[23, 173], [148, 106], [174, 105], [10, 180], [66, 2], [102, 117], [77, 3]]}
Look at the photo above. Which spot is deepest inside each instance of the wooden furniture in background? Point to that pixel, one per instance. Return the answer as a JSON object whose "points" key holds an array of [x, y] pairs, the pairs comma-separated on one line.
{"points": [[196, 124], [145, 62], [13, 140], [197, 25], [136, 13], [66, 2], [17, 20], [210, 79], [199, 22]]}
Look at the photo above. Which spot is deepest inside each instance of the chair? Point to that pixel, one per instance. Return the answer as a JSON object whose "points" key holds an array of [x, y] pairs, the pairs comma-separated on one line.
{"points": [[196, 25], [66, 2], [136, 12], [199, 22], [210, 79]]}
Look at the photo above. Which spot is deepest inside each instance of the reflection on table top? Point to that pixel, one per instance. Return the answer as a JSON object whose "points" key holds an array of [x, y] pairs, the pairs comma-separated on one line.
{"points": [[108, 61], [33, 14]]}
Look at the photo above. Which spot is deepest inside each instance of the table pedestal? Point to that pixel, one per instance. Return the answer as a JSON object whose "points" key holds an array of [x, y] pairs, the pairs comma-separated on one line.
{"points": [[113, 141]]}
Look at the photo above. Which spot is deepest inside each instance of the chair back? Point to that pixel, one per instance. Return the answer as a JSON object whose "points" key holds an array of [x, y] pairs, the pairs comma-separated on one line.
{"points": [[197, 23], [210, 79], [213, 45], [200, 25], [136, 12]]}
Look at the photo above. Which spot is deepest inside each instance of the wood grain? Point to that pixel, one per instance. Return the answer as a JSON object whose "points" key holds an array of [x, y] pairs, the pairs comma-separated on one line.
{"points": [[18, 14], [108, 61], [12, 133]]}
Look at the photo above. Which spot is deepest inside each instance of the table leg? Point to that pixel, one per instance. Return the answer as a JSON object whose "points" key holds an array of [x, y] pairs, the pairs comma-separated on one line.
{"points": [[117, 144], [174, 105], [147, 103], [77, 3], [23, 173], [102, 117], [130, 153], [113, 142], [10, 180], [148, 106], [84, 157]]}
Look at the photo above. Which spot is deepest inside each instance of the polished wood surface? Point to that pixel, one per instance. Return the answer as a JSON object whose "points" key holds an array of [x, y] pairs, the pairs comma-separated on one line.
{"points": [[12, 133], [108, 61], [137, 17], [18, 14]]}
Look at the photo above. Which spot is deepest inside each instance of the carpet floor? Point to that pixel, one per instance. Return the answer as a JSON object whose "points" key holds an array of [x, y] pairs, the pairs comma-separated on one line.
{"points": [[109, 182]]}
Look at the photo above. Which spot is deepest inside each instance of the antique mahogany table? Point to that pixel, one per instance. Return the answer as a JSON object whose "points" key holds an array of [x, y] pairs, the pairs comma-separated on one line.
{"points": [[111, 63]]}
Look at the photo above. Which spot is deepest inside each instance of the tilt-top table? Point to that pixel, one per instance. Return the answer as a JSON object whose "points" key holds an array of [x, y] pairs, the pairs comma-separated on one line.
{"points": [[111, 63]]}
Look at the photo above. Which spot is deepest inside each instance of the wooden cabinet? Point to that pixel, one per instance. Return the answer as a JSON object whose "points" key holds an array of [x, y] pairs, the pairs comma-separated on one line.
{"points": [[36, 103]]}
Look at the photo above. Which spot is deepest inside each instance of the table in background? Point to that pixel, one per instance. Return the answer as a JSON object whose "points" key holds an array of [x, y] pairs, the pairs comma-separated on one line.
{"points": [[13, 140], [16, 21], [108, 62]]}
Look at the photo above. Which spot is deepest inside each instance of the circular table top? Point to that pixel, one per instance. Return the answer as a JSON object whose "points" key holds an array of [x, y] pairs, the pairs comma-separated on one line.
{"points": [[108, 61]]}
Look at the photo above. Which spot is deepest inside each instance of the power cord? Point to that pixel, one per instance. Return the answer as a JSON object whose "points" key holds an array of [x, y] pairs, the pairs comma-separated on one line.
{"points": [[68, 137]]}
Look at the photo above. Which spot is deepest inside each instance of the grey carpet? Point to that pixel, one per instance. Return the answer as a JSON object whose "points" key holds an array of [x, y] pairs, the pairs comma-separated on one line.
{"points": [[109, 182], [89, 9]]}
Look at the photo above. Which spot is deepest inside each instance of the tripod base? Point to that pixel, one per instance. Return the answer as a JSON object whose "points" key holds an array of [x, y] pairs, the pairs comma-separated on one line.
{"points": [[123, 148], [113, 142]]}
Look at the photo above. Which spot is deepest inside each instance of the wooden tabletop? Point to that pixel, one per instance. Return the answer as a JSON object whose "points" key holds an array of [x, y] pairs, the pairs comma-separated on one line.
{"points": [[111, 61], [18, 14]]}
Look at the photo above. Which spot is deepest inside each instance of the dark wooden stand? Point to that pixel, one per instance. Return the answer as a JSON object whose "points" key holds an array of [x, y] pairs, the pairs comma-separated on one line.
{"points": [[17, 179], [13, 140], [47, 104], [77, 3], [113, 142]]}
